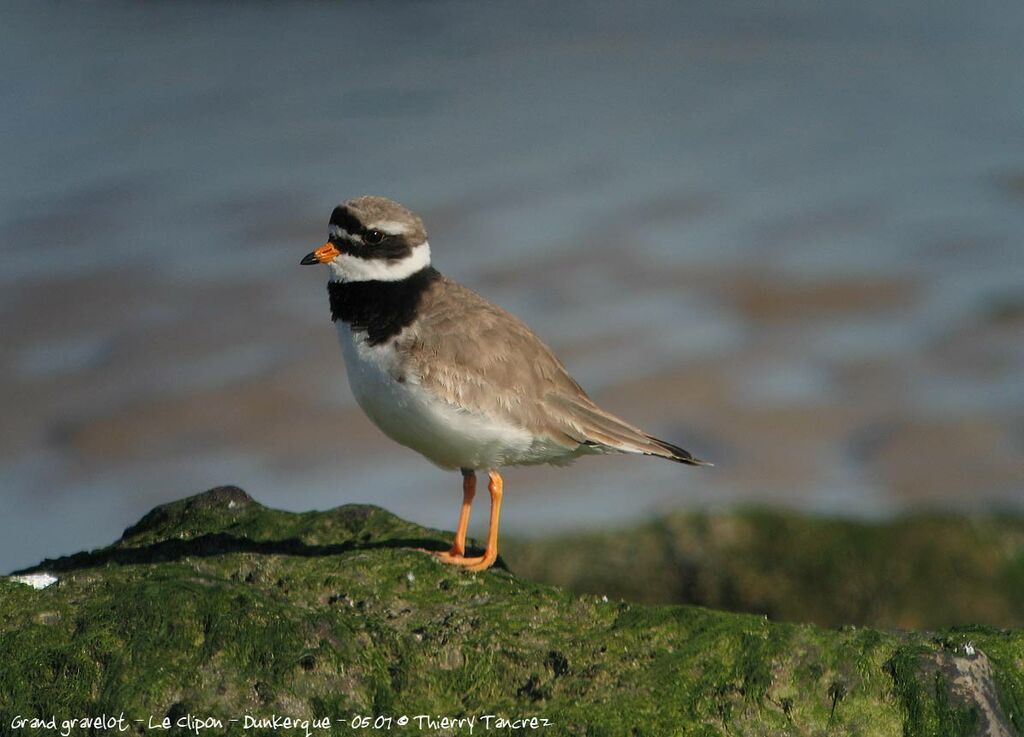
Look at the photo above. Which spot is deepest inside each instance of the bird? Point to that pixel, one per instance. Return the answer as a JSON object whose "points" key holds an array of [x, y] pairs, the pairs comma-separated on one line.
{"points": [[445, 372]]}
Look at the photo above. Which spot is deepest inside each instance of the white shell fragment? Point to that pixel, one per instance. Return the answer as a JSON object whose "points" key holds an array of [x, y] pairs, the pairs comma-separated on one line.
{"points": [[36, 580]]}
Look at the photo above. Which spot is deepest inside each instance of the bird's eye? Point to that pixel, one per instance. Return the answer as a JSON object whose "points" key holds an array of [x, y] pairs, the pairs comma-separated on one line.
{"points": [[373, 237]]}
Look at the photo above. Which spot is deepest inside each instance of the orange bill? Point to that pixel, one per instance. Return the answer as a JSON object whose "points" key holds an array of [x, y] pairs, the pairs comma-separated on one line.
{"points": [[323, 255]]}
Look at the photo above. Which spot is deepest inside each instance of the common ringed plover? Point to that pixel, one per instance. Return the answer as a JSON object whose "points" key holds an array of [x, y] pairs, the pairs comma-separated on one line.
{"points": [[443, 371]]}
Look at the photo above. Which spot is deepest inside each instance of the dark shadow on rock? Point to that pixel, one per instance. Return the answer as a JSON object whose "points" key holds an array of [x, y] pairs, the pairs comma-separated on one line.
{"points": [[221, 506], [218, 543], [221, 543]]}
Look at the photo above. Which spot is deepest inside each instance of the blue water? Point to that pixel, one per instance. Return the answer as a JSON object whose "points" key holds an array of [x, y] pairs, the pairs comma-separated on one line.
{"points": [[605, 170]]}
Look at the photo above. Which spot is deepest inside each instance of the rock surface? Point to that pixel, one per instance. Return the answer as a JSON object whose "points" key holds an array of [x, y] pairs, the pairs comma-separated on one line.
{"points": [[912, 572], [216, 606]]}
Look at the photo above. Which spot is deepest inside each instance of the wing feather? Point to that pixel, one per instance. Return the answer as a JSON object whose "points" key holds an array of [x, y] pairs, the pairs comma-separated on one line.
{"points": [[481, 359]]}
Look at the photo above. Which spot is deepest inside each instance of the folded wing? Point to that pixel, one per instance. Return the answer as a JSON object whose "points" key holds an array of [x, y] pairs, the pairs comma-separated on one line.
{"points": [[481, 359]]}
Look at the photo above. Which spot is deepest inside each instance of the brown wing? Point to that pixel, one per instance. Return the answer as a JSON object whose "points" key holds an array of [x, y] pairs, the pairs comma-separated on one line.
{"points": [[477, 356]]}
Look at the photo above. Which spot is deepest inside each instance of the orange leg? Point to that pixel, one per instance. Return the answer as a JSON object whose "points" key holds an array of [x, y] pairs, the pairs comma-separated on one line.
{"points": [[495, 487], [458, 549]]}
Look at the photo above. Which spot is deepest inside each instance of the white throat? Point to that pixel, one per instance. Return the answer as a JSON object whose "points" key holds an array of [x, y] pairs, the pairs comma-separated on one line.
{"points": [[345, 267]]}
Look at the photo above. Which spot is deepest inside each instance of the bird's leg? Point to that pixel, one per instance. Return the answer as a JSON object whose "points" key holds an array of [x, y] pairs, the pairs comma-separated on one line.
{"points": [[458, 549], [496, 488], [479, 563], [468, 492]]}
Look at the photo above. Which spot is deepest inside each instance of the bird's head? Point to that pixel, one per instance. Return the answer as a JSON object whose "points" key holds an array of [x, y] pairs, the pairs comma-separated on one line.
{"points": [[372, 239]]}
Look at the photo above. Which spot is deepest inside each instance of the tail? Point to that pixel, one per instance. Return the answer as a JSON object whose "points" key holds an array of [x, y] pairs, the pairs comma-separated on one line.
{"points": [[663, 449], [604, 431]]}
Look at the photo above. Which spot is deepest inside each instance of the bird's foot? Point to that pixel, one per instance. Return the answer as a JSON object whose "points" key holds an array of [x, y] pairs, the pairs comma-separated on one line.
{"points": [[456, 558], [453, 555]]}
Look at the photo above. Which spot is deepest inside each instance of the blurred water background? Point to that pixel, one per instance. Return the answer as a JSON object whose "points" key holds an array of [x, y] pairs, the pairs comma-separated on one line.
{"points": [[788, 236]]}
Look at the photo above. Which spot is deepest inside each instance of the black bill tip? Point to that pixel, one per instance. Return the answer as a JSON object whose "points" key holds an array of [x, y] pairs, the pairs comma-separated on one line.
{"points": [[309, 259]]}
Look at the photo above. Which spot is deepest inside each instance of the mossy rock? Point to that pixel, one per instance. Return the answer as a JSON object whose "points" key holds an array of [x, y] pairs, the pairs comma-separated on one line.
{"points": [[924, 571], [216, 606]]}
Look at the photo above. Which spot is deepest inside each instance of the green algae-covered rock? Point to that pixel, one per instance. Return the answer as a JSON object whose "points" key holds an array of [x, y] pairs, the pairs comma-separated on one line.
{"points": [[912, 572], [216, 608]]}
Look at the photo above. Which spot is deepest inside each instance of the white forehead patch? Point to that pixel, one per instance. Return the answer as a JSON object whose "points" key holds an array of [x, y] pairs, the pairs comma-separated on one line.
{"points": [[337, 232], [391, 227]]}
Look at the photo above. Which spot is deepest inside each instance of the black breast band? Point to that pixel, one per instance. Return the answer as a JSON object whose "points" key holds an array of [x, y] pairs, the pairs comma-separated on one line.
{"points": [[380, 308]]}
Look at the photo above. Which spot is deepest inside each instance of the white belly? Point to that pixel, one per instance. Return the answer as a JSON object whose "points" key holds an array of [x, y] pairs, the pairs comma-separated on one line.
{"points": [[409, 414]]}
